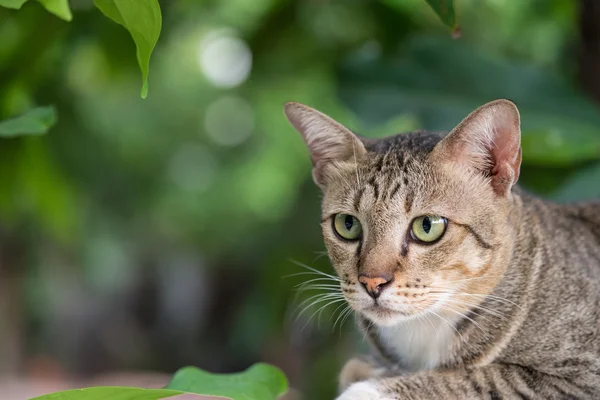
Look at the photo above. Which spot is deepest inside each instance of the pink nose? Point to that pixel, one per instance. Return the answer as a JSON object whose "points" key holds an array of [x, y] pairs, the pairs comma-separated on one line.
{"points": [[375, 285]]}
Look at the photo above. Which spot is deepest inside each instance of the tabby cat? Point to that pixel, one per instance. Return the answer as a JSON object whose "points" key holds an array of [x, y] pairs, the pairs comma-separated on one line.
{"points": [[466, 287]]}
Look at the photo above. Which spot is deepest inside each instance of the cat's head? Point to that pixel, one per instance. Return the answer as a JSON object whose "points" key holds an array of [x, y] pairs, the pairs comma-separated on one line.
{"points": [[416, 223]]}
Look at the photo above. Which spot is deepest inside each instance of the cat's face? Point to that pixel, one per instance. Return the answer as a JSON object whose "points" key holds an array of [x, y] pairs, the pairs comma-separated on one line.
{"points": [[414, 225]]}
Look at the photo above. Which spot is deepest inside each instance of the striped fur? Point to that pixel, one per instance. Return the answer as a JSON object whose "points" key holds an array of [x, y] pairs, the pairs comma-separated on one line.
{"points": [[505, 306]]}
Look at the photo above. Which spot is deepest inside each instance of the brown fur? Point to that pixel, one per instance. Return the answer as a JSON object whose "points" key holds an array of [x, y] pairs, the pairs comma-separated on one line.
{"points": [[512, 289]]}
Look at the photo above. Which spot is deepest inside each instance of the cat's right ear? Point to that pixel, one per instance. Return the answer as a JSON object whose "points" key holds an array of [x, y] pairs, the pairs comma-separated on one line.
{"points": [[488, 141], [328, 141]]}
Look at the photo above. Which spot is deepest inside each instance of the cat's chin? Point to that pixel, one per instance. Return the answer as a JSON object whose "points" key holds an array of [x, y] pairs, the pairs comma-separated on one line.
{"points": [[383, 316]]}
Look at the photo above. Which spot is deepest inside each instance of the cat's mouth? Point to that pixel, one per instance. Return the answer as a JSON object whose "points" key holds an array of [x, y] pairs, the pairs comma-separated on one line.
{"points": [[387, 316], [383, 315]]}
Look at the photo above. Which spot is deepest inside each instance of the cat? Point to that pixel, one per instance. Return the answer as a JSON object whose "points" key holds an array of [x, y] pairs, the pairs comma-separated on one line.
{"points": [[465, 286]]}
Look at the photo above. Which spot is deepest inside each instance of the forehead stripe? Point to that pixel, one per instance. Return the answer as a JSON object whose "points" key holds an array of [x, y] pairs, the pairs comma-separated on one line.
{"points": [[375, 187], [394, 190], [358, 197]]}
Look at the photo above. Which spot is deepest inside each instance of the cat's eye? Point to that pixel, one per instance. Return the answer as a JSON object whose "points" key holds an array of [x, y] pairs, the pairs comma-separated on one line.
{"points": [[428, 228], [347, 226]]}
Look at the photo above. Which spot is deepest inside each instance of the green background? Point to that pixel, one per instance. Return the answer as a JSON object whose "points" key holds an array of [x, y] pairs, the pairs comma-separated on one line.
{"points": [[152, 234]]}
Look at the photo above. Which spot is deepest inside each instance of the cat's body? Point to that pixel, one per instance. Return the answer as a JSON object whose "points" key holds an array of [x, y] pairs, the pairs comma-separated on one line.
{"points": [[465, 286], [553, 327]]}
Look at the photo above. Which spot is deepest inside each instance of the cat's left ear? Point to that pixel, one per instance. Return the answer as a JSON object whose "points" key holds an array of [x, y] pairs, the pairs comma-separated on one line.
{"points": [[329, 142], [489, 141]]}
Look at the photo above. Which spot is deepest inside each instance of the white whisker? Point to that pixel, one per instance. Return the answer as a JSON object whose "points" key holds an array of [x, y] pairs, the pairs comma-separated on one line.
{"points": [[319, 311], [318, 298], [449, 324], [447, 307], [322, 285], [472, 306], [431, 323], [340, 316], [314, 270]]}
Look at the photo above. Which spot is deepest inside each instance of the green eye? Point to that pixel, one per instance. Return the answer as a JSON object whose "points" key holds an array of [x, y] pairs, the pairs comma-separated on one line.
{"points": [[428, 228], [347, 226]]}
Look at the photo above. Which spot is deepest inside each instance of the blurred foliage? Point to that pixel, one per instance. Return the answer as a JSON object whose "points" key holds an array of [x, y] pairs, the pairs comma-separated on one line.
{"points": [[259, 382], [154, 234], [109, 392], [34, 122], [60, 8], [141, 18]]}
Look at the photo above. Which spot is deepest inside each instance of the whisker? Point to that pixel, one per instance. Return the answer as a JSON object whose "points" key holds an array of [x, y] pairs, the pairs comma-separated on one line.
{"points": [[430, 323], [326, 289], [319, 311], [471, 305], [318, 298], [449, 324], [334, 311], [313, 304], [307, 286], [495, 313], [319, 279], [490, 296], [498, 298], [474, 279], [348, 313], [465, 316], [320, 254], [371, 323], [355, 164], [479, 307], [340, 316], [314, 269], [333, 278]]}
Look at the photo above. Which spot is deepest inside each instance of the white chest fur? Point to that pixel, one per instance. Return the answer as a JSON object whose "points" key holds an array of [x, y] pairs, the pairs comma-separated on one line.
{"points": [[419, 343]]}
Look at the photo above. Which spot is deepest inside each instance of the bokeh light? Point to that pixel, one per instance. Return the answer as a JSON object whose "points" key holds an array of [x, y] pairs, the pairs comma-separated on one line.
{"points": [[225, 59], [229, 120]]}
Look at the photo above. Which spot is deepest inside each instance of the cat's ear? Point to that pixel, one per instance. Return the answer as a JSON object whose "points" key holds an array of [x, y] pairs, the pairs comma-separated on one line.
{"points": [[489, 141], [328, 141]]}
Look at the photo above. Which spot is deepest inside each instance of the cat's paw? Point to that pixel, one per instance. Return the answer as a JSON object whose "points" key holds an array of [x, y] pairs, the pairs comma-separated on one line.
{"points": [[357, 370], [363, 391]]}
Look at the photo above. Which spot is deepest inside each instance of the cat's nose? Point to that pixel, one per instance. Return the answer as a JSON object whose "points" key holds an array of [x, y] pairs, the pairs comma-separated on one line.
{"points": [[374, 284]]}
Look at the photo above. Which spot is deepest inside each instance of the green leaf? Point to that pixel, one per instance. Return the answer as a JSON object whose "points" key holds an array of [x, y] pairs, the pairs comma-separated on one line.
{"points": [[33, 122], [259, 382], [60, 8], [15, 4], [583, 185], [439, 81], [445, 10], [112, 393], [143, 20]]}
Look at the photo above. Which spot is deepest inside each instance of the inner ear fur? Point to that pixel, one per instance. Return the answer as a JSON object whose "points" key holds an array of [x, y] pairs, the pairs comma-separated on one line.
{"points": [[488, 141], [328, 141]]}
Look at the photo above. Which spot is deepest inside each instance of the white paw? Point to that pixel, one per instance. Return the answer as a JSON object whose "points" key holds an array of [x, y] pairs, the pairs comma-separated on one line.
{"points": [[362, 391]]}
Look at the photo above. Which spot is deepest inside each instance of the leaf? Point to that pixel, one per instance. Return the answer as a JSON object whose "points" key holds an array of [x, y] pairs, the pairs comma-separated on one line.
{"points": [[583, 185], [445, 10], [60, 8], [143, 20], [33, 122], [440, 81], [15, 4], [112, 393], [259, 382]]}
